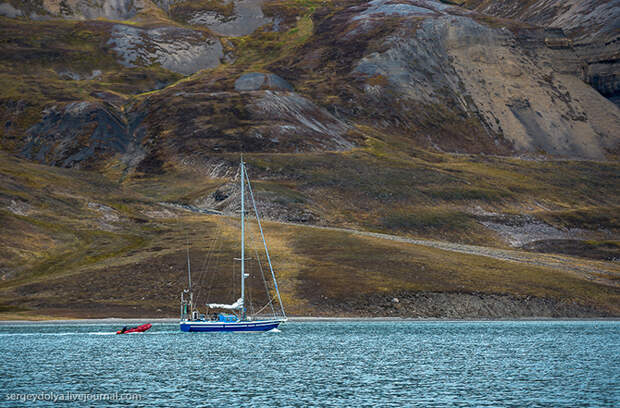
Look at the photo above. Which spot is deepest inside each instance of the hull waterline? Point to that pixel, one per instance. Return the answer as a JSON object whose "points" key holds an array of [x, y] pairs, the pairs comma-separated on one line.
{"points": [[245, 326]]}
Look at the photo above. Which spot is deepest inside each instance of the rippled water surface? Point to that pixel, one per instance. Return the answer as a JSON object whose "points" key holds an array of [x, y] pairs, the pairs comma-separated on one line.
{"points": [[345, 363]]}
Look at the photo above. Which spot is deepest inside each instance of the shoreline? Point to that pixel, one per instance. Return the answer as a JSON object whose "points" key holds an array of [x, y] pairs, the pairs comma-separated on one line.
{"points": [[119, 320]]}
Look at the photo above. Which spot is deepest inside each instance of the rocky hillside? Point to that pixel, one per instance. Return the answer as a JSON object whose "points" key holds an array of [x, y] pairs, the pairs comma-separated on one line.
{"points": [[297, 76], [491, 123]]}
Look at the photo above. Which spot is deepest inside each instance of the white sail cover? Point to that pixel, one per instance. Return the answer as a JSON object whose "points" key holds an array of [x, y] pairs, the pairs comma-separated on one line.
{"points": [[235, 306]]}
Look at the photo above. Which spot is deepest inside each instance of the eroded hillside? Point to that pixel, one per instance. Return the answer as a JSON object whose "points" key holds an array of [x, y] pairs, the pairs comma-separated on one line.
{"points": [[447, 78]]}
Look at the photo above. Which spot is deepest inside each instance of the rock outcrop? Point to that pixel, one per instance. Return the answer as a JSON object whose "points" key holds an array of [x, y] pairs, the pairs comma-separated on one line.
{"points": [[246, 17], [462, 306], [178, 49], [75, 133], [254, 81]]}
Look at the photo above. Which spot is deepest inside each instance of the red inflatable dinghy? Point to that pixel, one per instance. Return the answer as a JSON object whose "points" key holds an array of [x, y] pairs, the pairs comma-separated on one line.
{"points": [[138, 329]]}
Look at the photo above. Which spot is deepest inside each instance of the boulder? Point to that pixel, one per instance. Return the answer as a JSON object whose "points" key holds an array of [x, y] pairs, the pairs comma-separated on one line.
{"points": [[255, 81]]}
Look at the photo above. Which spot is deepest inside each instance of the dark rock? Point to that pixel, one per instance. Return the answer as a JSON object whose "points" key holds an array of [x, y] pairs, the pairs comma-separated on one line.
{"points": [[459, 306], [82, 132], [254, 81], [73, 133], [220, 195]]}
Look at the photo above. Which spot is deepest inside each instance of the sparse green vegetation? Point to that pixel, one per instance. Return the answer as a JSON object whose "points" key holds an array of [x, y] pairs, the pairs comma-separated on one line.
{"points": [[426, 221], [586, 218], [262, 48]]}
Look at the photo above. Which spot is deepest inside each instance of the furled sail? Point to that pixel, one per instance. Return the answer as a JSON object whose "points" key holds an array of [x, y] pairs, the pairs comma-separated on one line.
{"points": [[235, 306]]}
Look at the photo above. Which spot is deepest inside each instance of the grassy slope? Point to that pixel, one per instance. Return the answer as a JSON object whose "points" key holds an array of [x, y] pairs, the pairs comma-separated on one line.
{"points": [[387, 190], [60, 259]]}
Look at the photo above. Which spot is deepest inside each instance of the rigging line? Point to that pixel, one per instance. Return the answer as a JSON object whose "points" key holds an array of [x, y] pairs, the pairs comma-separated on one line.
{"points": [[265, 282], [205, 266], [189, 268], [260, 267], [205, 263], [187, 241], [217, 268], [204, 270], [198, 284], [211, 251], [234, 279], [268, 303], [218, 260], [260, 227], [248, 291]]}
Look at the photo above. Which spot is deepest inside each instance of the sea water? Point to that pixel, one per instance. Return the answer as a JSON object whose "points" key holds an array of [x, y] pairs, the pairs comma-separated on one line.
{"points": [[341, 363]]}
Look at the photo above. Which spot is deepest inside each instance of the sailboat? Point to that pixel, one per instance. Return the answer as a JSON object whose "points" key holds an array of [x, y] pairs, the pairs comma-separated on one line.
{"points": [[237, 320]]}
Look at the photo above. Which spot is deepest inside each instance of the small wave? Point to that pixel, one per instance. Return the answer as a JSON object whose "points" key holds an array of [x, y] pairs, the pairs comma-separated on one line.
{"points": [[58, 334], [40, 334], [274, 330], [97, 333]]}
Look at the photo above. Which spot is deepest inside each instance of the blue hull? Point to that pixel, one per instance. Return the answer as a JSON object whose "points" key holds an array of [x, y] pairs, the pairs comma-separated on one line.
{"points": [[265, 325]]}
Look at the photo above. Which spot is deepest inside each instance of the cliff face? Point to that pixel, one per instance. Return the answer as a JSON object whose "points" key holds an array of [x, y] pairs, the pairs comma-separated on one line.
{"points": [[593, 27], [521, 90], [583, 20]]}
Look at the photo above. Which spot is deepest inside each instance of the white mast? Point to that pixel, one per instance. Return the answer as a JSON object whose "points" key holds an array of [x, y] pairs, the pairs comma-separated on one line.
{"points": [[241, 173], [189, 268], [189, 279], [187, 305]]}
